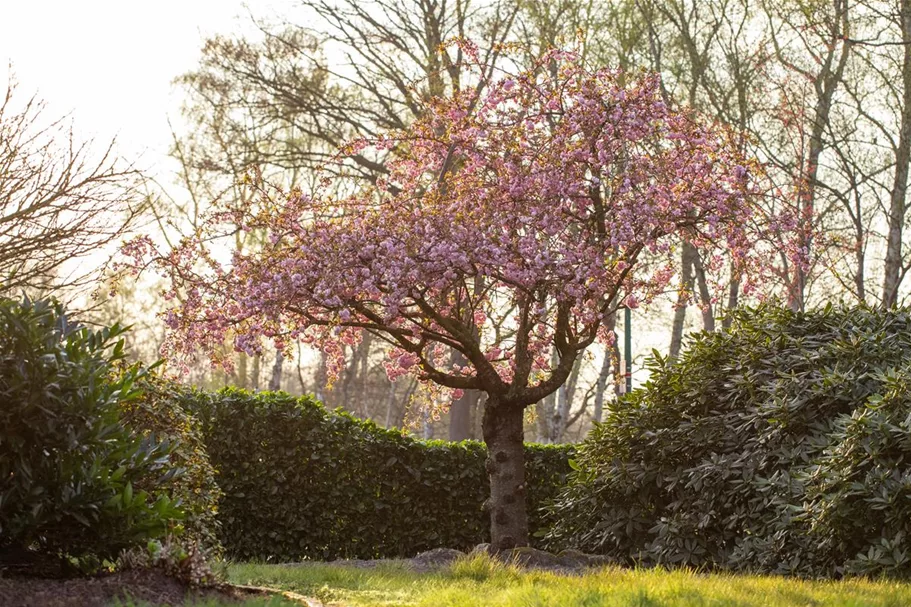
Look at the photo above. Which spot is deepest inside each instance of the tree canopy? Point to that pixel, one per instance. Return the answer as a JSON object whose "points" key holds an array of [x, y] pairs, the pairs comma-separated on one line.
{"points": [[514, 218]]}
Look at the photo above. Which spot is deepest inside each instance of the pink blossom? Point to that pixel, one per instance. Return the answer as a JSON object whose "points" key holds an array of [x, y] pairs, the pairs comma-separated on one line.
{"points": [[568, 200]]}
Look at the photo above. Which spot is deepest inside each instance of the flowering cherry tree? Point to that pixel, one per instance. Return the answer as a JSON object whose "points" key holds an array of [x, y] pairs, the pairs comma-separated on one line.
{"points": [[511, 223]]}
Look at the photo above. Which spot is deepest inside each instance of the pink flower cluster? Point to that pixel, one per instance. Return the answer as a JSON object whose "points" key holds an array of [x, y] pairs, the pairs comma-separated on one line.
{"points": [[509, 225]]}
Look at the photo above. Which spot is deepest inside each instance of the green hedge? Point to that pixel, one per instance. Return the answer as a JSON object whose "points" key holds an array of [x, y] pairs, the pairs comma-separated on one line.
{"points": [[782, 445], [303, 482]]}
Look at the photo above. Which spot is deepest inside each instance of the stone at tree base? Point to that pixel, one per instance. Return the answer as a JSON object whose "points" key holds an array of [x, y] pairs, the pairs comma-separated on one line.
{"points": [[480, 549], [532, 558], [578, 558], [527, 557], [568, 561], [435, 559]]}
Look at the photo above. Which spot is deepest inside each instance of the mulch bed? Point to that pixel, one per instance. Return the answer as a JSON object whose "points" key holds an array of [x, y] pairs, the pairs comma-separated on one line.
{"points": [[148, 586]]}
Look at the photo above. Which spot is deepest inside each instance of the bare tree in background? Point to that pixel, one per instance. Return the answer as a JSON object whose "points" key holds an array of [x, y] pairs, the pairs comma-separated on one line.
{"points": [[61, 200], [281, 101], [897, 37], [279, 104]]}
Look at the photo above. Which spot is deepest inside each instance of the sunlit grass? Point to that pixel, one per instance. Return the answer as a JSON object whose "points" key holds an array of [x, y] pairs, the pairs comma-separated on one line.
{"points": [[480, 581]]}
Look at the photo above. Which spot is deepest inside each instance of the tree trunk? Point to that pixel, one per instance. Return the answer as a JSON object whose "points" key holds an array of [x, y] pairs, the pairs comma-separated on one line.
{"points": [[460, 418], [364, 375], [545, 409], [275, 382], [564, 404], [601, 386], [426, 425], [350, 380], [300, 371], [611, 358], [544, 412], [893, 264], [460, 410], [390, 401], [687, 259], [705, 297], [241, 370], [561, 413], [255, 372], [733, 300], [826, 85], [503, 434], [322, 376]]}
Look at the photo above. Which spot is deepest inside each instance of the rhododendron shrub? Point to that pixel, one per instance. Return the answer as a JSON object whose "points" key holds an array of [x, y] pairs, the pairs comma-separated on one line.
{"points": [[511, 223]]}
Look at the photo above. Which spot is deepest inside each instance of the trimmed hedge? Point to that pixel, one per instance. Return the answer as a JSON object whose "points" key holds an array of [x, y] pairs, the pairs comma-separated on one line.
{"points": [[782, 445], [303, 482]]}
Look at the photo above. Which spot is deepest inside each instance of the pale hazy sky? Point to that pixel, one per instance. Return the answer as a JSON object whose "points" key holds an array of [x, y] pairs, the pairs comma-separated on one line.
{"points": [[110, 63]]}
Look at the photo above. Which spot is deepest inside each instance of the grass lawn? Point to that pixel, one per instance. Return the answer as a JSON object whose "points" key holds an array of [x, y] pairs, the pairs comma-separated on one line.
{"points": [[479, 581]]}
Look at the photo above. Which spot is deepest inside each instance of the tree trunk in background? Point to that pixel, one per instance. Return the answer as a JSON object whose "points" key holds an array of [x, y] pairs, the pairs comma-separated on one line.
{"points": [[564, 402], [460, 410], [364, 375], [860, 246], [611, 358], [503, 434], [241, 370], [321, 378], [300, 371], [257, 359], [688, 254], [544, 410], [350, 379], [705, 298], [390, 401], [826, 84], [275, 382], [561, 413], [460, 418], [733, 300], [426, 426], [893, 263]]}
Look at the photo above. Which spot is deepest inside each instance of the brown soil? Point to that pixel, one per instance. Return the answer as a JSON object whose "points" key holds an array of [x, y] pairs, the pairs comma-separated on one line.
{"points": [[142, 586]]}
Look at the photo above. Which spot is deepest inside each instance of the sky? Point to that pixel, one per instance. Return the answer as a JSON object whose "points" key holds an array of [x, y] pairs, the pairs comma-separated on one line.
{"points": [[110, 64]]}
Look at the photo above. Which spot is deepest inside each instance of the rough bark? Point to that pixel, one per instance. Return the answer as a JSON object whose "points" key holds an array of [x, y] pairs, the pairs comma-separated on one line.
{"points": [[503, 434], [893, 263]]}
